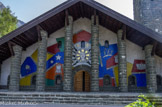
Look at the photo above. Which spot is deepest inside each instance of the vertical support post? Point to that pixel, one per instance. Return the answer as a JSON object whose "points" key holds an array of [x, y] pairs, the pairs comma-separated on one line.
{"points": [[150, 69], [67, 83], [122, 64], [42, 51], [15, 68], [94, 54]]}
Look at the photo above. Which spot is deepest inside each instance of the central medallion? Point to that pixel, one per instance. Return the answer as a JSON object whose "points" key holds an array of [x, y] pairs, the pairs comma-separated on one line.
{"points": [[81, 54]]}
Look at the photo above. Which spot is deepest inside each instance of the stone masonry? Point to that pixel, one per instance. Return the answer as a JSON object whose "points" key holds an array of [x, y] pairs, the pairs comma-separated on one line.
{"points": [[67, 83], [122, 64], [89, 99], [15, 68], [94, 55], [42, 51], [150, 70], [148, 13]]}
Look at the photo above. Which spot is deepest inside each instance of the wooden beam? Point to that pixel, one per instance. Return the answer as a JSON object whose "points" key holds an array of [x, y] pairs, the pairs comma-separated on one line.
{"points": [[81, 10], [21, 41], [10, 45], [124, 32], [154, 48], [66, 17], [95, 17], [3, 52], [26, 39], [39, 28], [26, 34]]}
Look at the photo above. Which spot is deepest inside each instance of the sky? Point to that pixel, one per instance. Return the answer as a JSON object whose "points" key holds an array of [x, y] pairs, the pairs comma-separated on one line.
{"points": [[27, 10]]}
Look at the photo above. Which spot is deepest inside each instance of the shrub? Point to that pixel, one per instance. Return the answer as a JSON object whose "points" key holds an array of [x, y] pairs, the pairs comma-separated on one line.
{"points": [[142, 101]]}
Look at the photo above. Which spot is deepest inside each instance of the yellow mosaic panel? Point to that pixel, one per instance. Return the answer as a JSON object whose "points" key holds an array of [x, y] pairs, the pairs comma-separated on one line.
{"points": [[48, 56], [26, 81], [129, 70], [35, 54], [116, 75]]}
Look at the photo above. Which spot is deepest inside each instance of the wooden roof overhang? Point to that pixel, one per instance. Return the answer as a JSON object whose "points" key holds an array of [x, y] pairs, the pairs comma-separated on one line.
{"points": [[54, 19]]}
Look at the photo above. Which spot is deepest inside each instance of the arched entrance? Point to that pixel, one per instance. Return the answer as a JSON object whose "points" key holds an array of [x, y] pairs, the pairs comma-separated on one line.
{"points": [[82, 81]]}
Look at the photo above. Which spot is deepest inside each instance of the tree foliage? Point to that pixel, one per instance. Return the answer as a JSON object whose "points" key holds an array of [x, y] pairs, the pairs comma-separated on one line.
{"points": [[7, 21]]}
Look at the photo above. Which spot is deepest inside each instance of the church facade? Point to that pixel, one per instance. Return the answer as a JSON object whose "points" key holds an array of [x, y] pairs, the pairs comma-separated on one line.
{"points": [[82, 51]]}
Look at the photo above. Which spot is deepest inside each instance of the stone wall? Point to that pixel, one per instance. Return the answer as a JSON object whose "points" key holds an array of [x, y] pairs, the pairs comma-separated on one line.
{"points": [[148, 13]]}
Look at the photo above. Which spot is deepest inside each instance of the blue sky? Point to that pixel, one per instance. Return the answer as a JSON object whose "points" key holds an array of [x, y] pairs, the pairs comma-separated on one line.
{"points": [[27, 10]]}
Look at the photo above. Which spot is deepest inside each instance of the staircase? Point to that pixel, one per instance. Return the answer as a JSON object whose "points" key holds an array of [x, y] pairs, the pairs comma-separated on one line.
{"points": [[73, 98]]}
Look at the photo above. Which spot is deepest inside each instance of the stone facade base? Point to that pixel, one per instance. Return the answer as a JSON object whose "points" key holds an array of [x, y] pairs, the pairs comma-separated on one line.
{"points": [[92, 98], [47, 88]]}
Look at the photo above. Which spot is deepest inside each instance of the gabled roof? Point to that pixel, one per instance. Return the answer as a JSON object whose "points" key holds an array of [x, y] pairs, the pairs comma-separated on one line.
{"points": [[54, 19]]}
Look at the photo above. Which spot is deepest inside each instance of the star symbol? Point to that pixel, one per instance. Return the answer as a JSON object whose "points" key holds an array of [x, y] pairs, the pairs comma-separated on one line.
{"points": [[58, 57]]}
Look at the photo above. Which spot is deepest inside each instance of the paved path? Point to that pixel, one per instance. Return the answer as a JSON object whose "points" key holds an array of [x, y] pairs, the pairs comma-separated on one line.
{"points": [[59, 105]]}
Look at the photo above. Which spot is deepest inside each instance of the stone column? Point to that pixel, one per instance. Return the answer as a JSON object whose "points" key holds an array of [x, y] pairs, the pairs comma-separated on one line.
{"points": [[67, 83], [15, 69], [150, 70], [42, 51], [122, 64], [94, 55]]}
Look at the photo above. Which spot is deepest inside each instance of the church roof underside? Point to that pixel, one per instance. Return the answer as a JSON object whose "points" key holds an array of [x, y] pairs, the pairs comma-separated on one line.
{"points": [[54, 19]]}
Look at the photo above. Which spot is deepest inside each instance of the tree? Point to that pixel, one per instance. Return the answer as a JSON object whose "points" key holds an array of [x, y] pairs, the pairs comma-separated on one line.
{"points": [[7, 21]]}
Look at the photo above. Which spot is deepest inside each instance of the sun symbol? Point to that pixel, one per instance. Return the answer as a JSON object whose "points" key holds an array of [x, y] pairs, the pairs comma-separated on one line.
{"points": [[82, 55]]}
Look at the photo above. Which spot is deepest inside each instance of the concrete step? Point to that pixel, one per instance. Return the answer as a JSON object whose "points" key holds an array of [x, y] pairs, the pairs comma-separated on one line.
{"points": [[73, 98]]}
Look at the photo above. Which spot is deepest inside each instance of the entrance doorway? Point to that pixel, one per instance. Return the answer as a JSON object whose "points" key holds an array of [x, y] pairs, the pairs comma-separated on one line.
{"points": [[82, 81]]}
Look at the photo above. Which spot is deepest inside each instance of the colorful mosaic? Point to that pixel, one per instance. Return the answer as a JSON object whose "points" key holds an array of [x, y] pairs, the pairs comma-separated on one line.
{"points": [[54, 64], [109, 66], [108, 62], [81, 49]]}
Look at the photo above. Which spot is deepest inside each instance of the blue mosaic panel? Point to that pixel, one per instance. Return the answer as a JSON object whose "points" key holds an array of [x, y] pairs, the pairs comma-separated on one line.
{"points": [[57, 58], [105, 71], [140, 79], [106, 54], [28, 67]]}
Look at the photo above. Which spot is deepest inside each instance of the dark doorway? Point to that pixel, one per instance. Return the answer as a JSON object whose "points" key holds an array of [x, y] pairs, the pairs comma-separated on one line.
{"points": [[107, 80], [8, 81], [34, 80], [158, 80], [131, 80], [58, 80]]}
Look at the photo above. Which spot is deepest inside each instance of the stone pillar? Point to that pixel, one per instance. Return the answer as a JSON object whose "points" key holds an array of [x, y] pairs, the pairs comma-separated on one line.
{"points": [[122, 64], [94, 55], [67, 83], [150, 70], [15, 69], [42, 51]]}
